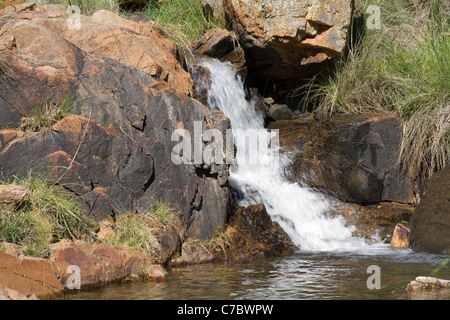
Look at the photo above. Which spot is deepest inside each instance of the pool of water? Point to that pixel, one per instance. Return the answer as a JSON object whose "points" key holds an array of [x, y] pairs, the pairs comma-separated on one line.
{"points": [[301, 276]]}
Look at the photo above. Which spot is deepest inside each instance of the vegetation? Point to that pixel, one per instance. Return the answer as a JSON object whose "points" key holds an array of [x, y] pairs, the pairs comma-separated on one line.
{"points": [[161, 212], [137, 231], [142, 231], [88, 7], [222, 241], [182, 21], [48, 215], [46, 115], [403, 68]]}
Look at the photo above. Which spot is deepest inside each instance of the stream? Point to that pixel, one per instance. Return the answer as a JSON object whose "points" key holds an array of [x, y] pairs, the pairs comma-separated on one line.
{"points": [[319, 276], [330, 264]]}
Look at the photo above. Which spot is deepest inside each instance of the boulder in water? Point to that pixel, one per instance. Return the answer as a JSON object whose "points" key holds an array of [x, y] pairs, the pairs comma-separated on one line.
{"points": [[252, 234], [401, 238]]}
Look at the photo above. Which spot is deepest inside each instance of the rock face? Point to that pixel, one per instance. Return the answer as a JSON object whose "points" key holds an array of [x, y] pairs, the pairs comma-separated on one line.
{"points": [[430, 223], [116, 152], [352, 157], [284, 40], [223, 45], [28, 277]]}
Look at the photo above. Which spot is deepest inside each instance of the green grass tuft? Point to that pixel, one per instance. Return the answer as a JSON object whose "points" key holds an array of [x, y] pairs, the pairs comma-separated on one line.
{"points": [[48, 215], [182, 21], [46, 116], [161, 212], [139, 232]]}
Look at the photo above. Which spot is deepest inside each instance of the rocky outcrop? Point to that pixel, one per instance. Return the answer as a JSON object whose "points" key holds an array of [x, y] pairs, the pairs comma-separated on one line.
{"points": [[430, 223], [24, 278], [219, 44], [285, 40], [355, 158], [100, 264], [116, 152]]}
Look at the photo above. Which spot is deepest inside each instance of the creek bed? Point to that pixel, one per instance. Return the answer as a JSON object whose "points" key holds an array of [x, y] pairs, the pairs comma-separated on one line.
{"points": [[301, 276]]}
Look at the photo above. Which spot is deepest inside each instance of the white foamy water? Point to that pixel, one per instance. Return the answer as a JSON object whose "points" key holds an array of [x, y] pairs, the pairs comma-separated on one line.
{"points": [[302, 212]]}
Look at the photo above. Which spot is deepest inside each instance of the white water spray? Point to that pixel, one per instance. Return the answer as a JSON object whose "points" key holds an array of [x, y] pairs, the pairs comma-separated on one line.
{"points": [[300, 211]]}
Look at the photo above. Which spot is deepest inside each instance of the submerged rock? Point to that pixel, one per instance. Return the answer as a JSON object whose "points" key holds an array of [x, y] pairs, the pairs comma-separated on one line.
{"points": [[376, 222]]}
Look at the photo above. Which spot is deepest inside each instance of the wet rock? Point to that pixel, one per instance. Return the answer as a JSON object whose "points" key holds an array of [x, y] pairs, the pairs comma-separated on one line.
{"points": [[278, 112], [11, 196], [401, 238], [217, 43], [252, 235], [430, 223], [375, 222], [355, 158], [192, 254], [223, 45], [428, 283]]}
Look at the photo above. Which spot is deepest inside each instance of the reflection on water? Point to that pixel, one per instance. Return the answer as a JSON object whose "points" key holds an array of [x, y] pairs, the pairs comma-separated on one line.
{"points": [[298, 277]]}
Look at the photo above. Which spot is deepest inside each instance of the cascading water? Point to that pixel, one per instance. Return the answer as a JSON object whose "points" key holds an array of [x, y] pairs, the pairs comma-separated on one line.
{"points": [[300, 211]]}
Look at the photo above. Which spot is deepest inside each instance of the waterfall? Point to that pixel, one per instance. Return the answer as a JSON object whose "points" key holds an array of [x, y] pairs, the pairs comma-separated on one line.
{"points": [[301, 212]]}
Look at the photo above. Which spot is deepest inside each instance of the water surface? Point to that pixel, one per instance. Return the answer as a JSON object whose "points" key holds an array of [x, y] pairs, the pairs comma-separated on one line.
{"points": [[302, 276]]}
